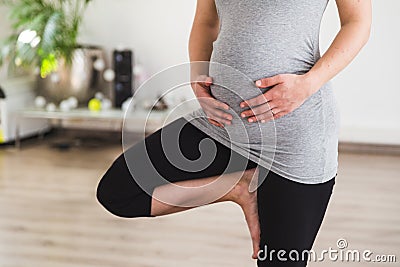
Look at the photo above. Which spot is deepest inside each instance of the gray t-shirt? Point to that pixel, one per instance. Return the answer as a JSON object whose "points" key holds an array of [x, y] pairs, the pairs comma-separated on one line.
{"points": [[263, 38]]}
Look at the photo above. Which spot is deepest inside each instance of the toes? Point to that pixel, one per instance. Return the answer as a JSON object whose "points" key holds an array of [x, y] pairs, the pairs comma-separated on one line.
{"points": [[256, 245], [251, 216]]}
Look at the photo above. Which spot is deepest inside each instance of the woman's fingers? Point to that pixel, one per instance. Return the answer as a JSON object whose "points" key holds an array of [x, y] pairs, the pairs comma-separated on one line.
{"points": [[214, 109], [215, 113], [256, 101], [213, 122], [271, 81], [264, 112], [268, 116], [219, 115], [221, 105], [280, 114], [263, 108], [220, 119], [222, 114], [214, 104]]}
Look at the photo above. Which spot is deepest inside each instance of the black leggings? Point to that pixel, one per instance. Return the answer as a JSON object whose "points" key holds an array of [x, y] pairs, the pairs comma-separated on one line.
{"points": [[290, 213]]}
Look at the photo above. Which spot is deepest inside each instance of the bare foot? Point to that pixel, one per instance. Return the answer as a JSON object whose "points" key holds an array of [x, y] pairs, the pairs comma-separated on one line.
{"points": [[245, 196], [243, 193]]}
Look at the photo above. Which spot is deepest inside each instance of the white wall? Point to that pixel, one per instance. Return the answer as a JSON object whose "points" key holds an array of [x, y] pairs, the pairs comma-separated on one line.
{"points": [[368, 91], [4, 31], [157, 30]]}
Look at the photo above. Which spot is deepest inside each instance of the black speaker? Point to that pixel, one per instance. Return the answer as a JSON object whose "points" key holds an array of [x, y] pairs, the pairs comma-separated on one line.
{"points": [[123, 82]]}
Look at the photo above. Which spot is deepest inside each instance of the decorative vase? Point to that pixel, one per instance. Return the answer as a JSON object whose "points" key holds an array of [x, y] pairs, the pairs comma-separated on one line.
{"points": [[80, 79]]}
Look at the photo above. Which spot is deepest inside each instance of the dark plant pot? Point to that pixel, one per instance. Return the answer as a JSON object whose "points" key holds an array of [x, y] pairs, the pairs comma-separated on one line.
{"points": [[79, 79]]}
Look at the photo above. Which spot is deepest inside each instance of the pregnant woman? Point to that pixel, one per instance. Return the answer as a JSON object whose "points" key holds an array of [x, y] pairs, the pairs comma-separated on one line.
{"points": [[275, 45]]}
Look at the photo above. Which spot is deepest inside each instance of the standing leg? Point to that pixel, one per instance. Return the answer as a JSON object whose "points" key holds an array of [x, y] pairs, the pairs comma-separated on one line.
{"points": [[290, 216]]}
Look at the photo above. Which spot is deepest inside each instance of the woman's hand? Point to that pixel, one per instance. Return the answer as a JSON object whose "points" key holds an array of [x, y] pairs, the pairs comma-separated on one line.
{"points": [[289, 92], [213, 108]]}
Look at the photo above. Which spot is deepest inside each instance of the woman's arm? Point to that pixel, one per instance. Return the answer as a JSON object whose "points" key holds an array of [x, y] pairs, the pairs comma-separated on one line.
{"points": [[290, 90], [204, 32], [355, 18]]}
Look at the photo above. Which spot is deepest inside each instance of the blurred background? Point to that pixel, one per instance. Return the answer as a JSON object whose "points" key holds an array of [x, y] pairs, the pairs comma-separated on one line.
{"points": [[68, 71]]}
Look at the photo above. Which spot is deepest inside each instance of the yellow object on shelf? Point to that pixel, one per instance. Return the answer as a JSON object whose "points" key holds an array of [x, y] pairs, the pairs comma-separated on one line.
{"points": [[2, 139], [94, 104]]}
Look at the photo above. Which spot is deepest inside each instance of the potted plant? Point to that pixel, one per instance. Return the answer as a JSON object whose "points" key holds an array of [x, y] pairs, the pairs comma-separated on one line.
{"points": [[44, 36]]}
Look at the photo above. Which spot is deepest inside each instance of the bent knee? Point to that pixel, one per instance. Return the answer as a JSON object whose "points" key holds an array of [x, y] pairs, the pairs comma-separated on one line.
{"points": [[118, 193], [108, 199]]}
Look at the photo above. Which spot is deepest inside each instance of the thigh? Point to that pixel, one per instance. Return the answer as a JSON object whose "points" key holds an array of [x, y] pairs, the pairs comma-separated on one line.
{"points": [[290, 214], [179, 152]]}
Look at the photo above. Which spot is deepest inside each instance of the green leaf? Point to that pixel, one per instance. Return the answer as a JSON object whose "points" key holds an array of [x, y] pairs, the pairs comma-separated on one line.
{"points": [[48, 65], [50, 32], [56, 22]]}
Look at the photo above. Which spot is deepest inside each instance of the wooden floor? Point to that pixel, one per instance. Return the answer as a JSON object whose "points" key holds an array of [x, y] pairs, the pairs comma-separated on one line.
{"points": [[49, 216]]}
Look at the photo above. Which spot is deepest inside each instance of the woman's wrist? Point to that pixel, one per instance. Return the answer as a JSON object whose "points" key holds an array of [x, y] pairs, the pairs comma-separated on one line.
{"points": [[313, 82], [200, 91]]}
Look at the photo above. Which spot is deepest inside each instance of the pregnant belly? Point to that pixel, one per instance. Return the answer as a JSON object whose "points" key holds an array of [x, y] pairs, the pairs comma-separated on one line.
{"points": [[241, 131], [232, 86], [296, 130]]}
